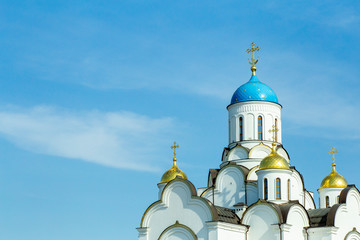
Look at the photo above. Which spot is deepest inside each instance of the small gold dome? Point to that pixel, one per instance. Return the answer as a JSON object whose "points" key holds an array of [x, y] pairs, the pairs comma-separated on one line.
{"points": [[274, 160], [333, 180], [172, 173]]}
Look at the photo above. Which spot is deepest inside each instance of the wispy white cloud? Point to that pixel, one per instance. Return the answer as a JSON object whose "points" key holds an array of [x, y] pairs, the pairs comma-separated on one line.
{"points": [[115, 139]]}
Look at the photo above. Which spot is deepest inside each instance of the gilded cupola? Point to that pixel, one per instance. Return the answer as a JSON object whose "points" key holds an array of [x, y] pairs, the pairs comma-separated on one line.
{"points": [[174, 171], [274, 160], [334, 179]]}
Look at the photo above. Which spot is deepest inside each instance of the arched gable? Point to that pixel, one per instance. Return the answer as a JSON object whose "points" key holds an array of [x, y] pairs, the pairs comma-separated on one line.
{"points": [[309, 201], [351, 197], [347, 214], [352, 235], [238, 152], [252, 176], [296, 215], [282, 152], [263, 219], [178, 231], [296, 186], [259, 151], [229, 186], [179, 202]]}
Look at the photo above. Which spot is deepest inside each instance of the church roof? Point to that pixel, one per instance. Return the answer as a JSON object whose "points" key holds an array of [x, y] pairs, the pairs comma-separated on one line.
{"points": [[334, 179], [227, 215], [326, 216], [323, 216], [254, 90], [274, 161], [213, 173]]}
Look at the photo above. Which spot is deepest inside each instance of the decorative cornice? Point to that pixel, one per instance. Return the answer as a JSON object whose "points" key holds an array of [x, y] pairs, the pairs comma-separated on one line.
{"points": [[255, 108]]}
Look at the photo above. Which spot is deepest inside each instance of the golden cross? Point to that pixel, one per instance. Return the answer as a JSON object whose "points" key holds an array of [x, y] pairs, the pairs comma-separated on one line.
{"points": [[252, 50], [175, 147], [333, 151], [274, 130]]}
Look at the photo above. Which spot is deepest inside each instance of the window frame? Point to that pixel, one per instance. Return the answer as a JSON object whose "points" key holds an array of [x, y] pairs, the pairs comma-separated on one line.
{"points": [[241, 128], [278, 189], [260, 127], [266, 189], [327, 201]]}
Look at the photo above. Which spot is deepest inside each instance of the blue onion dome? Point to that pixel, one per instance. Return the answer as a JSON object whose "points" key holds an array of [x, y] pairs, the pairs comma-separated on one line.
{"points": [[254, 90]]}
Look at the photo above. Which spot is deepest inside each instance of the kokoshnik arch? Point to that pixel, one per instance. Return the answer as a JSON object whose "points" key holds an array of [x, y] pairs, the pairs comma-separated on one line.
{"points": [[255, 194]]}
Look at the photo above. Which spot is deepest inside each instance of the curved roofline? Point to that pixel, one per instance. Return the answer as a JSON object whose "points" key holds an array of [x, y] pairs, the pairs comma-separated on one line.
{"points": [[345, 191], [193, 194], [243, 169], [264, 202], [261, 144], [177, 224], [323, 217]]}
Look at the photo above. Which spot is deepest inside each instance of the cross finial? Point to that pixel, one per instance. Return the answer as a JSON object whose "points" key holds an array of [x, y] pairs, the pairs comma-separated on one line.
{"points": [[175, 147], [333, 151], [274, 131], [253, 61]]}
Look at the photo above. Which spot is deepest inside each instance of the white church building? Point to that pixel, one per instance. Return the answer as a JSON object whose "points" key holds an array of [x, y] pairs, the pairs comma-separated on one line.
{"points": [[255, 194]]}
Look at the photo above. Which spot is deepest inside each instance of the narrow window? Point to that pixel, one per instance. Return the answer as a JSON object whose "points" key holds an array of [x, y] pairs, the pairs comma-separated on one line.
{"points": [[265, 189], [327, 201], [241, 126], [338, 199], [276, 133], [288, 183], [260, 129], [278, 190]]}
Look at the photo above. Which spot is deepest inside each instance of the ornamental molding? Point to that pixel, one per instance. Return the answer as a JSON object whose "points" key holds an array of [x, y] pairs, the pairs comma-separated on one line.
{"points": [[255, 108]]}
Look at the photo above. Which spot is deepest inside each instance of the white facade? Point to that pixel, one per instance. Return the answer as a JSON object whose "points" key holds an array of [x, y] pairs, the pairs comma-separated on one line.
{"points": [[249, 112], [329, 196], [237, 204]]}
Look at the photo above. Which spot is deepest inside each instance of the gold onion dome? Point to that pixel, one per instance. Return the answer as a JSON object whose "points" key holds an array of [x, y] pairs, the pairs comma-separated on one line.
{"points": [[174, 171], [274, 161], [334, 179]]}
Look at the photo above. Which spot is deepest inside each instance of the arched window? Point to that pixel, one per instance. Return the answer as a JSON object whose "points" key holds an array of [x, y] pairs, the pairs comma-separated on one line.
{"points": [[241, 128], [265, 189], [338, 199], [278, 189], [327, 201], [260, 128], [276, 127], [288, 183]]}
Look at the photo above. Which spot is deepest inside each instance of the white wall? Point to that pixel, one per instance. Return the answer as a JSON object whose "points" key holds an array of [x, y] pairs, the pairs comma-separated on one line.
{"points": [[226, 231], [263, 221], [229, 187], [250, 111], [271, 175], [332, 193], [177, 204]]}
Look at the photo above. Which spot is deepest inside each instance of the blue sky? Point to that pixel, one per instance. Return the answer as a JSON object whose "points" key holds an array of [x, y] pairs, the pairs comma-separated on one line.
{"points": [[93, 94]]}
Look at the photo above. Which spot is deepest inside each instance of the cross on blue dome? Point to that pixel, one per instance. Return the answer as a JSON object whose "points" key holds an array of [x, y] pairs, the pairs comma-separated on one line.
{"points": [[254, 90]]}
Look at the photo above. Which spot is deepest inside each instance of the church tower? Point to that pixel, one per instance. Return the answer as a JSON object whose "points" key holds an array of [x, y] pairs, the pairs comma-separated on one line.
{"points": [[331, 186], [172, 173], [254, 109], [255, 194]]}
